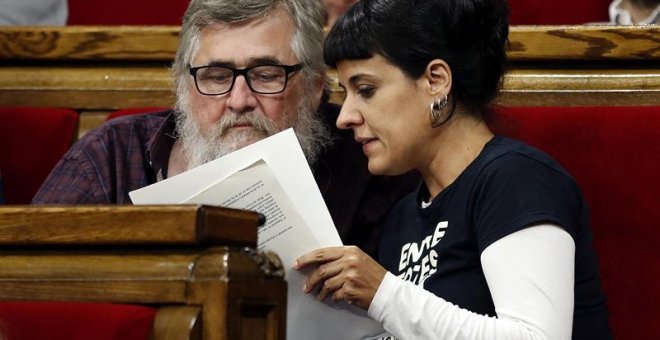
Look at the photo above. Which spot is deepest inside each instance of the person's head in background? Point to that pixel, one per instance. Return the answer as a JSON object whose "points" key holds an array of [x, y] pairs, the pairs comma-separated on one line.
{"points": [[34, 12], [278, 45], [335, 8], [635, 12], [412, 68]]}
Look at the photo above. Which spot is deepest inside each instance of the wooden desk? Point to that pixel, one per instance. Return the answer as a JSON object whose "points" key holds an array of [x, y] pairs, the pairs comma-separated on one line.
{"points": [[198, 264]]}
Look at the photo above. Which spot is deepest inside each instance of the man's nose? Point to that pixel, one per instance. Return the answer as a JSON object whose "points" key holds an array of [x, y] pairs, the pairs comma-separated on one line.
{"points": [[241, 98]]}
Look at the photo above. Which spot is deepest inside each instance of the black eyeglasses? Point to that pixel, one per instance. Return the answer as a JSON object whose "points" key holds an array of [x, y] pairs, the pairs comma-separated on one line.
{"points": [[265, 79]]}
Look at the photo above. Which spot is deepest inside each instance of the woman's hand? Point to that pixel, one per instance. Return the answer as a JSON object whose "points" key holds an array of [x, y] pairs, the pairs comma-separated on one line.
{"points": [[344, 273]]}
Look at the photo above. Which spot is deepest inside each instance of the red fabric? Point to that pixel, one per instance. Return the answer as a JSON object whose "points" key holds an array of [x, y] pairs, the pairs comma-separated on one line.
{"points": [[74, 321], [126, 12], [170, 12], [558, 12], [32, 140], [134, 111], [613, 154]]}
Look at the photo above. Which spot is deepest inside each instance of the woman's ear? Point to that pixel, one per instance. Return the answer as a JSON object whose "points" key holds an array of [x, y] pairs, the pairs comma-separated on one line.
{"points": [[438, 77]]}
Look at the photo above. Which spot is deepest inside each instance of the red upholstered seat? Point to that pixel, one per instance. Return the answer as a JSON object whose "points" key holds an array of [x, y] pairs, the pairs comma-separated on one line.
{"points": [[134, 111], [613, 154], [32, 140], [126, 12], [74, 321], [558, 12]]}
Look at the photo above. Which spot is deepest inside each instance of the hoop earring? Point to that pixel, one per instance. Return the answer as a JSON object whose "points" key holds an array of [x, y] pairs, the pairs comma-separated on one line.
{"points": [[437, 106]]}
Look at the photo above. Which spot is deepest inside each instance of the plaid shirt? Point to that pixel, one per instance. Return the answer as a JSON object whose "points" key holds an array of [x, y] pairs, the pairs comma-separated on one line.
{"points": [[111, 161], [131, 152]]}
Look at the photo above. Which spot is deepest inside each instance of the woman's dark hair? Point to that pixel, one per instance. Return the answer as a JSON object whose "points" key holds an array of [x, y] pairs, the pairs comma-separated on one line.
{"points": [[469, 35]]}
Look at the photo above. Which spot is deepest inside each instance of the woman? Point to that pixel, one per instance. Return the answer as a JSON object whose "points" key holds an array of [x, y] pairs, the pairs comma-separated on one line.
{"points": [[495, 243]]}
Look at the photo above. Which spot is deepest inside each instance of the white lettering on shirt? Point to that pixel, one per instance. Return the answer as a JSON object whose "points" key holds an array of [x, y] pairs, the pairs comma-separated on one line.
{"points": [[419, 261]]}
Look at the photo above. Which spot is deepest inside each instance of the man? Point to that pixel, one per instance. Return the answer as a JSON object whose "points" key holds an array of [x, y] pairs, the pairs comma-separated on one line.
{"points": [[335, 9], [635, 12], [244, 70]]}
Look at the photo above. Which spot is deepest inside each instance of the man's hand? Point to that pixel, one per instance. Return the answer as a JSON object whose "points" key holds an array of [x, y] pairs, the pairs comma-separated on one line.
{"points": [[343, 273]]}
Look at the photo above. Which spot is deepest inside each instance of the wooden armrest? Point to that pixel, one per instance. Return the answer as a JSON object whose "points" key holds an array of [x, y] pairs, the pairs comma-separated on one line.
{"points": [[127, 225]]}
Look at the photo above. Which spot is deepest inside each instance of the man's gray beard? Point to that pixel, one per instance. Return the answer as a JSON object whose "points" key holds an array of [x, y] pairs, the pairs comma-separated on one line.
{"points": [[201, 147]]}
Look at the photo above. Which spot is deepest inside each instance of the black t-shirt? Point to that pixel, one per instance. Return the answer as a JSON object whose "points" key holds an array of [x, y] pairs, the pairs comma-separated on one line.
{"points": [[508, 187]]}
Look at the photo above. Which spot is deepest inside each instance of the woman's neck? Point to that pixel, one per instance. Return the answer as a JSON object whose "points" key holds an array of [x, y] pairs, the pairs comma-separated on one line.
{"points": [[457, 145]]}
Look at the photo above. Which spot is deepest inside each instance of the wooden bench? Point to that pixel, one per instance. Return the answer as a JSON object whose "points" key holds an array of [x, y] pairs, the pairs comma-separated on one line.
{"points": [[196, 264], [99, 69]]}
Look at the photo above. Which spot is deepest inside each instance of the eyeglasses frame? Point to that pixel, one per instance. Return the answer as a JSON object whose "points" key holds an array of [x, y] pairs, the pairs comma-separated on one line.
{"points": [[288, 70]]}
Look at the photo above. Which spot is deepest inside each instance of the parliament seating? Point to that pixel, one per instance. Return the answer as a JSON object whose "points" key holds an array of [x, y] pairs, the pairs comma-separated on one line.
{"points": [[126, 12], [32, 141], [611, 152], [586, 95], [75, 321], [558, 12], [137, 272]]}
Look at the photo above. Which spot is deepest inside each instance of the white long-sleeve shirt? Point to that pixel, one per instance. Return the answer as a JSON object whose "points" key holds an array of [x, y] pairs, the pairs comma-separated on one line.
{"points": [[533, 301]]}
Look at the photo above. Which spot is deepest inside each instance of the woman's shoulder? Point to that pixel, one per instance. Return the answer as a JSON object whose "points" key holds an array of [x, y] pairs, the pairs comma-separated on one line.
{"points": [[506, 154]]}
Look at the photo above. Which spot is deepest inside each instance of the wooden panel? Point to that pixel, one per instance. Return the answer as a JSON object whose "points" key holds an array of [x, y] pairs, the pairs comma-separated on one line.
{"points": [[107, 68], [536, 43], [89, 87], [149, 292], [89, 42], [46, 256], [96, 225], [246, 285], [591, 87], [121, 266], [533, 87], [178, 323], [91, 119], [160, 43], [567, 87]]}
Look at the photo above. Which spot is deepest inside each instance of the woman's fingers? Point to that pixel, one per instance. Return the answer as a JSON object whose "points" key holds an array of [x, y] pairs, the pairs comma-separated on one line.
{"points": [[343, 273], [321, 274], [330, 288], [318, 256]]}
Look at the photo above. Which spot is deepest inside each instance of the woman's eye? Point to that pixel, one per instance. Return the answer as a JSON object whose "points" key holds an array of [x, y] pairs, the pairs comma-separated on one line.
{"points": [[366, 91]]}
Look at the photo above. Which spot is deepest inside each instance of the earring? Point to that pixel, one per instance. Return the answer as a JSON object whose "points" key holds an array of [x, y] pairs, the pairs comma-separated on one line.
{"points": [[437, 106]]}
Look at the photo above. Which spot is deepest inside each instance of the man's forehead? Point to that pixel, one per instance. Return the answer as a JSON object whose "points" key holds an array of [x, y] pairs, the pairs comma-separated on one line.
{"points": [[252, 61], [257, 41]]}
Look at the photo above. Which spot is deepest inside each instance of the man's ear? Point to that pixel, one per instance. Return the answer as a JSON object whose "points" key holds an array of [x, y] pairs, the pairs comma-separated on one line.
{"points": [[438, 78]]}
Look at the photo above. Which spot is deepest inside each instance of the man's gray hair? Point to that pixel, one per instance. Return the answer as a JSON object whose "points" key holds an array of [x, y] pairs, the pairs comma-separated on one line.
{"points": [[307, 16]]}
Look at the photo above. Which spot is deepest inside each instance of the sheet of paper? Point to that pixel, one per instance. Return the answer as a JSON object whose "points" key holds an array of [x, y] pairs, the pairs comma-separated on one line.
{"points": [[284, 232], [277, 183], [282, 153]]}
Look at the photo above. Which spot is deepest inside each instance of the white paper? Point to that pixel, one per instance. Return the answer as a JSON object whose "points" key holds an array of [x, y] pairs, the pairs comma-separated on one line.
{"points": [[272, 176]]}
